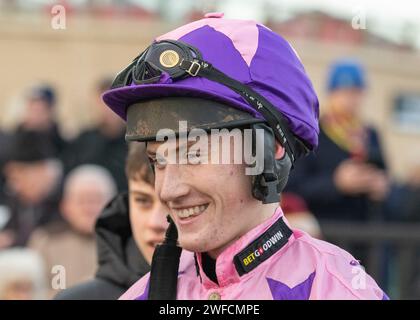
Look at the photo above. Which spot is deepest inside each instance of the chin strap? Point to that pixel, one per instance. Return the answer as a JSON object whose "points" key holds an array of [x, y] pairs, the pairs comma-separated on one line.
{"points": [[165, 264]]}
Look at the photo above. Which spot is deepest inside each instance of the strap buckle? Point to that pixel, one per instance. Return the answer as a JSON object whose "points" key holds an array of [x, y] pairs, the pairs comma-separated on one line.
{"points": [[193, 69]]}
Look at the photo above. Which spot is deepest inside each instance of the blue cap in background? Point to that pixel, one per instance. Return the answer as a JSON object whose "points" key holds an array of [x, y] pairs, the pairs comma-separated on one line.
{"points": [[346, 74]]}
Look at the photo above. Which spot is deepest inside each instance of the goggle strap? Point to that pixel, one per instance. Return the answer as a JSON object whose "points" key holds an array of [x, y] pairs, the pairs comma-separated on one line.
{"points": [[274, 118]]}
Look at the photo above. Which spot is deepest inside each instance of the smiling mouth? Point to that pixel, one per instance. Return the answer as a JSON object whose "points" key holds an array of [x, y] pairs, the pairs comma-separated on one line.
{"points": [[191, 211]]}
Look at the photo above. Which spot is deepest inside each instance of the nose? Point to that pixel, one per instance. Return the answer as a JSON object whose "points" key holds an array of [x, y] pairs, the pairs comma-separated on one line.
{"points": [[170, 183], [157, 219]]}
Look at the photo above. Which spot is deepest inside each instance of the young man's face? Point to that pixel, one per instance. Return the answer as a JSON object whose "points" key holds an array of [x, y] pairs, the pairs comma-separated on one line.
{"points": [[147, 217], [211, 204]]}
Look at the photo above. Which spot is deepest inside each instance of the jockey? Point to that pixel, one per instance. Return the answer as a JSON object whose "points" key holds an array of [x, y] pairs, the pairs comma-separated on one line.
{"points": [[237, 82]]}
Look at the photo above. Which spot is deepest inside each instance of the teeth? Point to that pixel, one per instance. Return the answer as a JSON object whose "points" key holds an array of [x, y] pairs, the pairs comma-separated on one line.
{"points": [[185, 213]]}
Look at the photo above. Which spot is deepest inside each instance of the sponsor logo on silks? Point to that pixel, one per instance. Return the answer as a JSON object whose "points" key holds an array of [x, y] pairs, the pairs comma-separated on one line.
{"points": [[263, 247], [268, 244]]}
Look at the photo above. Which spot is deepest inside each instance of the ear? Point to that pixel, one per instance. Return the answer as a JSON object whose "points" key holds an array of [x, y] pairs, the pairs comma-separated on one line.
{"points": [[280, 151]]}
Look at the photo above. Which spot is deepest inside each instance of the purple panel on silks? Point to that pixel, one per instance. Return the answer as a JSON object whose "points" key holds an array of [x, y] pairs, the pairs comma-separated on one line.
{"points": [[281, 291]]}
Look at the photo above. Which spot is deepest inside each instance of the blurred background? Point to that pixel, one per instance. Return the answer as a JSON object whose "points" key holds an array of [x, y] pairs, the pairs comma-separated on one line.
{"points": [[62, 152]]}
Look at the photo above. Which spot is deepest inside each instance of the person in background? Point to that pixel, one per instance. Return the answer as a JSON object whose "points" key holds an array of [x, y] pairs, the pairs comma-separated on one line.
{"points": [[71, 242], [33, 186], [346, 178], [40, 115], [101, 145], [126, 233], [22, 275], [297, 213]]}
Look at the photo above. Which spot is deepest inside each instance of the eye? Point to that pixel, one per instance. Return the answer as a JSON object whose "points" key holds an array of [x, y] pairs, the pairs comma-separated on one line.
{"points": [[152, 161], [195, 156], [144, 202], [195, 153], [157, 162], [160, 162]]}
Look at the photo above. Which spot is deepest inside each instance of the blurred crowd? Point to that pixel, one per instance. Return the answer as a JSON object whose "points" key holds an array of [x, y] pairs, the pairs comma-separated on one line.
{"points": [[347, 178], [88, 204], [52, 189]]}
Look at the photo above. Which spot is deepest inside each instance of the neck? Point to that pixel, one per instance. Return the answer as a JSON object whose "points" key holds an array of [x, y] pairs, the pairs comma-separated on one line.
{"points": [[260, 215]]}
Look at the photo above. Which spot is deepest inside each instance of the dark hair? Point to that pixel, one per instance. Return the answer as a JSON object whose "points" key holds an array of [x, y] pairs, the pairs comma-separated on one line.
{"points": [[43, 92], [137, 166]]}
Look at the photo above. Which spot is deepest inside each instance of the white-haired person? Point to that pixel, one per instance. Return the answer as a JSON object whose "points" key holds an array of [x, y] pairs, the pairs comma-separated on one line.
{"points": [[22, 275], [68, 247]]}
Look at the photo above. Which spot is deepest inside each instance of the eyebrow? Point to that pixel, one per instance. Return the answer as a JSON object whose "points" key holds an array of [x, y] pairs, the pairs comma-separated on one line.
{"points": [[153, 153], [140, 193]]}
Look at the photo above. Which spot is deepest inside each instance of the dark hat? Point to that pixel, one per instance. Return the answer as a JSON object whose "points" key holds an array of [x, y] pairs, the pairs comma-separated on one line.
{"points": [[30, 146], [43, 92]]}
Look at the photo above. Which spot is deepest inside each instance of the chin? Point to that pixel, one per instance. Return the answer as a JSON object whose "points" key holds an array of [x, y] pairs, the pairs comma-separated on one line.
{"points": [[194, 245], [189, 245]]}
